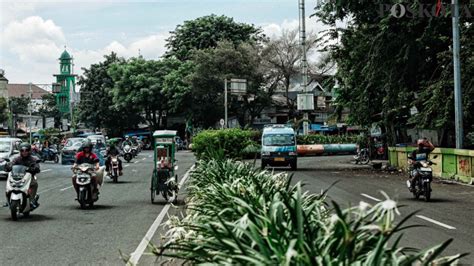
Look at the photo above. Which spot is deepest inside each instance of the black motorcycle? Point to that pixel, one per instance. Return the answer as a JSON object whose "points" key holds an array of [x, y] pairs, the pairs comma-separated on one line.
{"points": [[49, 154], [422, 175]]}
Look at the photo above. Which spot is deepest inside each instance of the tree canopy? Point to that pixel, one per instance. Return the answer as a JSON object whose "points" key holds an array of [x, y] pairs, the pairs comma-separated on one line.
{"points": [[206, 32], [389, 66]]}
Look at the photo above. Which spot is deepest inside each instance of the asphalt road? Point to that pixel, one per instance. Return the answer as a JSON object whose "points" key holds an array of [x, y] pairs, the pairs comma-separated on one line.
{"points": [[60, 233], [450, 213]]}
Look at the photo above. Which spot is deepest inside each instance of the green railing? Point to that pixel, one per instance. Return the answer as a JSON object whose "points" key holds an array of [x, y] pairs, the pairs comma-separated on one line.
{"points": [[452, 164]]}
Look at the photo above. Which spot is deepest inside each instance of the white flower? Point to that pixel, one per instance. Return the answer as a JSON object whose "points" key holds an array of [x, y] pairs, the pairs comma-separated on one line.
{"points": [[334, 218], [389, 204], [363, 206]]}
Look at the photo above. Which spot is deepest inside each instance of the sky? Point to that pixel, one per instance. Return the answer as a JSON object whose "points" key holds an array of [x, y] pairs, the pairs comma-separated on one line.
{"points": [[33, 34]]}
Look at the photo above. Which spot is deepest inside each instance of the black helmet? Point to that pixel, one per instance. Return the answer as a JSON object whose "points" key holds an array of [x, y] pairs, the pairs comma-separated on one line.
{"points": [[25, 146], [87, 144]]}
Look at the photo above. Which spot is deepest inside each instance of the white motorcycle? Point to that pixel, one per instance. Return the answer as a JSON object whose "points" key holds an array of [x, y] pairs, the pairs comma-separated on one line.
{"points": [[114, 168], [17, 191], [127, 153], [85, 194]]}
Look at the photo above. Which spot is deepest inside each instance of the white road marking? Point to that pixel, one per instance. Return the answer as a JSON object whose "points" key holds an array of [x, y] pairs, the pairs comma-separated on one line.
{"points": [[370, 197], [436, 222], [51, 188], [136, 161], [127, 165], [143, 159], [66, 188], [45, 170], [149, 156], [135, 256]]}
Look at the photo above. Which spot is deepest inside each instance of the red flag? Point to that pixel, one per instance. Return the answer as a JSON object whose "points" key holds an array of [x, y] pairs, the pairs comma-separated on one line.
{"points": [[438, 7]]}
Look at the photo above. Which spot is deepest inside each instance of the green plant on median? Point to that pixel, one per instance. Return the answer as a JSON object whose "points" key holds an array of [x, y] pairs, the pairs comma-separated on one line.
{"points": [[232, 141], [240, 215]]}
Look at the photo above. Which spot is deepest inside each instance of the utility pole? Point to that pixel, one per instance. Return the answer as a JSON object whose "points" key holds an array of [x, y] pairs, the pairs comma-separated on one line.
{"points": [[30, 92], [225, 104], [458, 115], [304, 61]]}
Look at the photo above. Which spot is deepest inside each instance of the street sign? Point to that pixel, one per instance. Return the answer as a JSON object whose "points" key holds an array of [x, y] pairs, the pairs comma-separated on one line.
{"points": [[238, 86], [222, 122], [305, 101]]}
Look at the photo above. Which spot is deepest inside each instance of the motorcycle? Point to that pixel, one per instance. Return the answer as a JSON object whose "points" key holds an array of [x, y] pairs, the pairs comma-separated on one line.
{"points": [[422, 175], [85, 194], [362, 156], [18, 193], [134, 151], [49, 154], [114, 168], [127, 153]]}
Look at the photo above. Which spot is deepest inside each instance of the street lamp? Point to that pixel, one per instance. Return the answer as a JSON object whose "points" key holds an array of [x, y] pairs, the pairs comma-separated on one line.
{"points": [[238, 87]]}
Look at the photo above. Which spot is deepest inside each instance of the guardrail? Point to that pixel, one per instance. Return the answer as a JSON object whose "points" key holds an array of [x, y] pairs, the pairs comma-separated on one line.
{"points": [[451, 164]]}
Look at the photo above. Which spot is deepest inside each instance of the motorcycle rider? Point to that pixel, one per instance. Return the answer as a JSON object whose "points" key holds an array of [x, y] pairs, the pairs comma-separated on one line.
{"points": [[126, 142], [87, 156], [425, 147], [45, 150], [113, 151], [26, 159]]}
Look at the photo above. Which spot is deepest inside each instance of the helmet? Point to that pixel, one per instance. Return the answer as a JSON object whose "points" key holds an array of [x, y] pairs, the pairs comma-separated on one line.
{"points": [[420, 142], [127, 137], [25, 146], [87, 144]]}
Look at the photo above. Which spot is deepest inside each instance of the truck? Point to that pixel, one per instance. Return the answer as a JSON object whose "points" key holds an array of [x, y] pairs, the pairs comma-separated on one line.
{"points": [[279, 146]]}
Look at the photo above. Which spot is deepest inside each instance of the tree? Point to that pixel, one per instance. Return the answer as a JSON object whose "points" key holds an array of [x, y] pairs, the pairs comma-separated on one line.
{"points": [[97, 108], [388, 65], [283, 55], [198, 85], [3, 110], [50, 109], [206, 32], [138, 87], [19, 105]]}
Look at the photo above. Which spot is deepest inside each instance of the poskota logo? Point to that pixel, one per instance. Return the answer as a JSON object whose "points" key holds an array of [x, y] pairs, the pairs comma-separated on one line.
{"points": [[418, 10]]}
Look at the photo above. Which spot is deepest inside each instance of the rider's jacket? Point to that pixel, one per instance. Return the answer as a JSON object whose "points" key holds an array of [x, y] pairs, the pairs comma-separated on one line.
{"points": [[81, 158], [29, 161]]}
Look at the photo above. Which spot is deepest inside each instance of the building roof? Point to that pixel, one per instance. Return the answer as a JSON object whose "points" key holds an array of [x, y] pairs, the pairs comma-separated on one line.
{"points": [[65, 55], [17, 90]]}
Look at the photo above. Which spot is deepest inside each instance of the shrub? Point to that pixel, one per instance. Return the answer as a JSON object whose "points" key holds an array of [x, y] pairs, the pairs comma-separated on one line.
{"points": [[238, 215], [232, 141]]}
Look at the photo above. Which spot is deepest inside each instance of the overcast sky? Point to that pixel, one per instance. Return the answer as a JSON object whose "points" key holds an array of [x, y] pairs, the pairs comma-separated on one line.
{"points": [[33, 33]]}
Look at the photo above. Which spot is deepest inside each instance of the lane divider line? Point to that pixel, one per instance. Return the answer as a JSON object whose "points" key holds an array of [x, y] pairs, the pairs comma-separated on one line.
{"points": [[127, 165], [45, 170], [63, 189], [136, 255], [370, 197], [136, 161], [51, 188], [436, 222], [143, 159]]}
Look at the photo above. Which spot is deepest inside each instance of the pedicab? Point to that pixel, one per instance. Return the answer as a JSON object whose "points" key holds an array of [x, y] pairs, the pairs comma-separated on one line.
{"points": [[164, 181]]}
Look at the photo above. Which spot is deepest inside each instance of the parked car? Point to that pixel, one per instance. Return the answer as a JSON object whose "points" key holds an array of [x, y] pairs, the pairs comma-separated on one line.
{"points": [[69, 151], [8, 150]]}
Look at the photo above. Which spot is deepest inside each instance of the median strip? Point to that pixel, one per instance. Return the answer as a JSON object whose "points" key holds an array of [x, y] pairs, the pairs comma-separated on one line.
{"points": [[136, 255]]}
